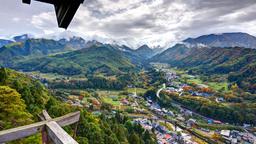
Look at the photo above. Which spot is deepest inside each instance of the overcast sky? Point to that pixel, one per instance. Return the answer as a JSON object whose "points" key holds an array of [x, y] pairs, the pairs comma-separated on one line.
{"points": [[133, 22]]}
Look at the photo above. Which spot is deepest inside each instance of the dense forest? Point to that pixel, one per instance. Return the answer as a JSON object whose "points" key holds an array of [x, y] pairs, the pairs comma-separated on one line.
{"points": [[235, 113], [96, 82], [22, 98], [96, 59]]}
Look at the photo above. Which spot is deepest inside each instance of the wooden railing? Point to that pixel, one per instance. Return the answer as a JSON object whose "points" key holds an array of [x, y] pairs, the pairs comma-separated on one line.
{"points": [[50, 128]]}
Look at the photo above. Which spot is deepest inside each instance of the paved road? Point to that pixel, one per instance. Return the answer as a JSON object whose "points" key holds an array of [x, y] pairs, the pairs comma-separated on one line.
{"points": [[158, 92]]}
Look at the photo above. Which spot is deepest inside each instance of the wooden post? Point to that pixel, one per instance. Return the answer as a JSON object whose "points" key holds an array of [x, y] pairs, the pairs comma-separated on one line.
{"points": [[49, 127], [45, 139]]}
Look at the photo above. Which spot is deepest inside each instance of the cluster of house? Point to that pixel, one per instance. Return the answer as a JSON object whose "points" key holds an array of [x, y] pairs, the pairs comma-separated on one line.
{"points": [[38, 77], [237, 137], [156, 108], [178, 87], [126, 102], [170, 75], [76, 101], [181, 88], [165, 136], [202, 94], [160, 66]]}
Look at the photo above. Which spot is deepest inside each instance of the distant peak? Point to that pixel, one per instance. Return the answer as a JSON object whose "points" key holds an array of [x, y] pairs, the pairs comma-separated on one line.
{"points": [[22, 38], [235, 39], [144, 47]]}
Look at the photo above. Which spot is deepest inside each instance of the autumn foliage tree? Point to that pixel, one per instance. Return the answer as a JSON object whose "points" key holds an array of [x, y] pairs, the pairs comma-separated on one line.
{"points": [[187, 88], [206, 90]]}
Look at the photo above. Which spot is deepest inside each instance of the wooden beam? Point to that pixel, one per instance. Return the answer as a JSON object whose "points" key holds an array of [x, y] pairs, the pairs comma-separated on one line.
{"points": [[68, 119], [58, 135], [46, 115], [28, 130], [21, 132]]}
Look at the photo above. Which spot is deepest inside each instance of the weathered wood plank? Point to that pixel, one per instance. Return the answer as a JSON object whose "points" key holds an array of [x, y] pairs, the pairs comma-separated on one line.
{"points": [[46, 115], [21, 132], [58, 135], [68, 119], [28, 130]]}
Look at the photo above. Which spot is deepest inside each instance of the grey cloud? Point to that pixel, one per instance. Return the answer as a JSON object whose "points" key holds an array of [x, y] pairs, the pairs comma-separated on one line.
{"points": [[163, 22]]}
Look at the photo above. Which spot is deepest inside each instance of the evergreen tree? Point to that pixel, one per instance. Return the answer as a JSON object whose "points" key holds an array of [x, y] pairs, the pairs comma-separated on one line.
{"points": [[3, 76], [134, 138]]}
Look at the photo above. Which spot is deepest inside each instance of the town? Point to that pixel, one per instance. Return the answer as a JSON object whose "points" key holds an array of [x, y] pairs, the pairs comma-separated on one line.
{"points": [[175, 124]]}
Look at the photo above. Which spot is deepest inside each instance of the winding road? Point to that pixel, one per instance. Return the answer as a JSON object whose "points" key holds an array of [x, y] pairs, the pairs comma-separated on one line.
{"points": [[158, 92]]}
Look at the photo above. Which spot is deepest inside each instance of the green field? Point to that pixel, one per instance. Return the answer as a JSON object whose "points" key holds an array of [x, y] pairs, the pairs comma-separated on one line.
{"points": [[109, 100], [107, 97], [218, 86], [219, 127], [214, 85], [195, 80], [138, 90]]}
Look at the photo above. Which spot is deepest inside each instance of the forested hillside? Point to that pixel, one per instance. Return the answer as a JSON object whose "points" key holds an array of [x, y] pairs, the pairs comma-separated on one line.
{"points": [[22, 98], [32, 48], [103, 59], [239, 64]]}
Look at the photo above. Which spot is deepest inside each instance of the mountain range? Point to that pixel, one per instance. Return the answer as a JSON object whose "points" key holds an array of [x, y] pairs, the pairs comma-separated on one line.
{"points": [[4, 42], [239, 64], [224, 40], [232, 54], [145, 51], [96, 59], [74, 56]]}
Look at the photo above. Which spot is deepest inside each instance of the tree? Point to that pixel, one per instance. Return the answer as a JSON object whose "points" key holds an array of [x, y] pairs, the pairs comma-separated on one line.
{"points": [[12, 109], [187, 88], [234, 87], [134, 138], [3, 75], [82, 140], [111, 139], [216, 136], [106, 106], [150, 94], [88, 127], [147, 138]]}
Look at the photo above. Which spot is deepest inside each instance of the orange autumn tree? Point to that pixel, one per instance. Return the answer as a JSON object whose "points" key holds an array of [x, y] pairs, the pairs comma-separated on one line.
{"points": [[206, 90], [187, 88]]}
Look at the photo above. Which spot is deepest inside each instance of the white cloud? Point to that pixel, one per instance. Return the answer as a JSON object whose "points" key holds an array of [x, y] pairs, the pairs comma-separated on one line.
{"points": [[16, 19], [136, 22]]}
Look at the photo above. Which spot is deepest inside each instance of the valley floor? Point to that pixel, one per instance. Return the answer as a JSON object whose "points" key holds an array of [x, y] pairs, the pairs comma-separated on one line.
{"points": [[175, 123]]}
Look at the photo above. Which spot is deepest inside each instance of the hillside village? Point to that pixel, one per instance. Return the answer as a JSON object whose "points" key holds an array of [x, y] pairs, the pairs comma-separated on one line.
{"points": [[190, 118], [176, 124]]}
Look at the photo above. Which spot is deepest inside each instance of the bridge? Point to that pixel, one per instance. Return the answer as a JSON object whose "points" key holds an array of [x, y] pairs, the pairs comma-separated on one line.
{"points": [[50, 128]]}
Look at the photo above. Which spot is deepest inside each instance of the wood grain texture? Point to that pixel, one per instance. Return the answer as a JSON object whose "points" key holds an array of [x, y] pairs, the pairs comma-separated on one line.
{"points": [[56, 131], [58, 135]]}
